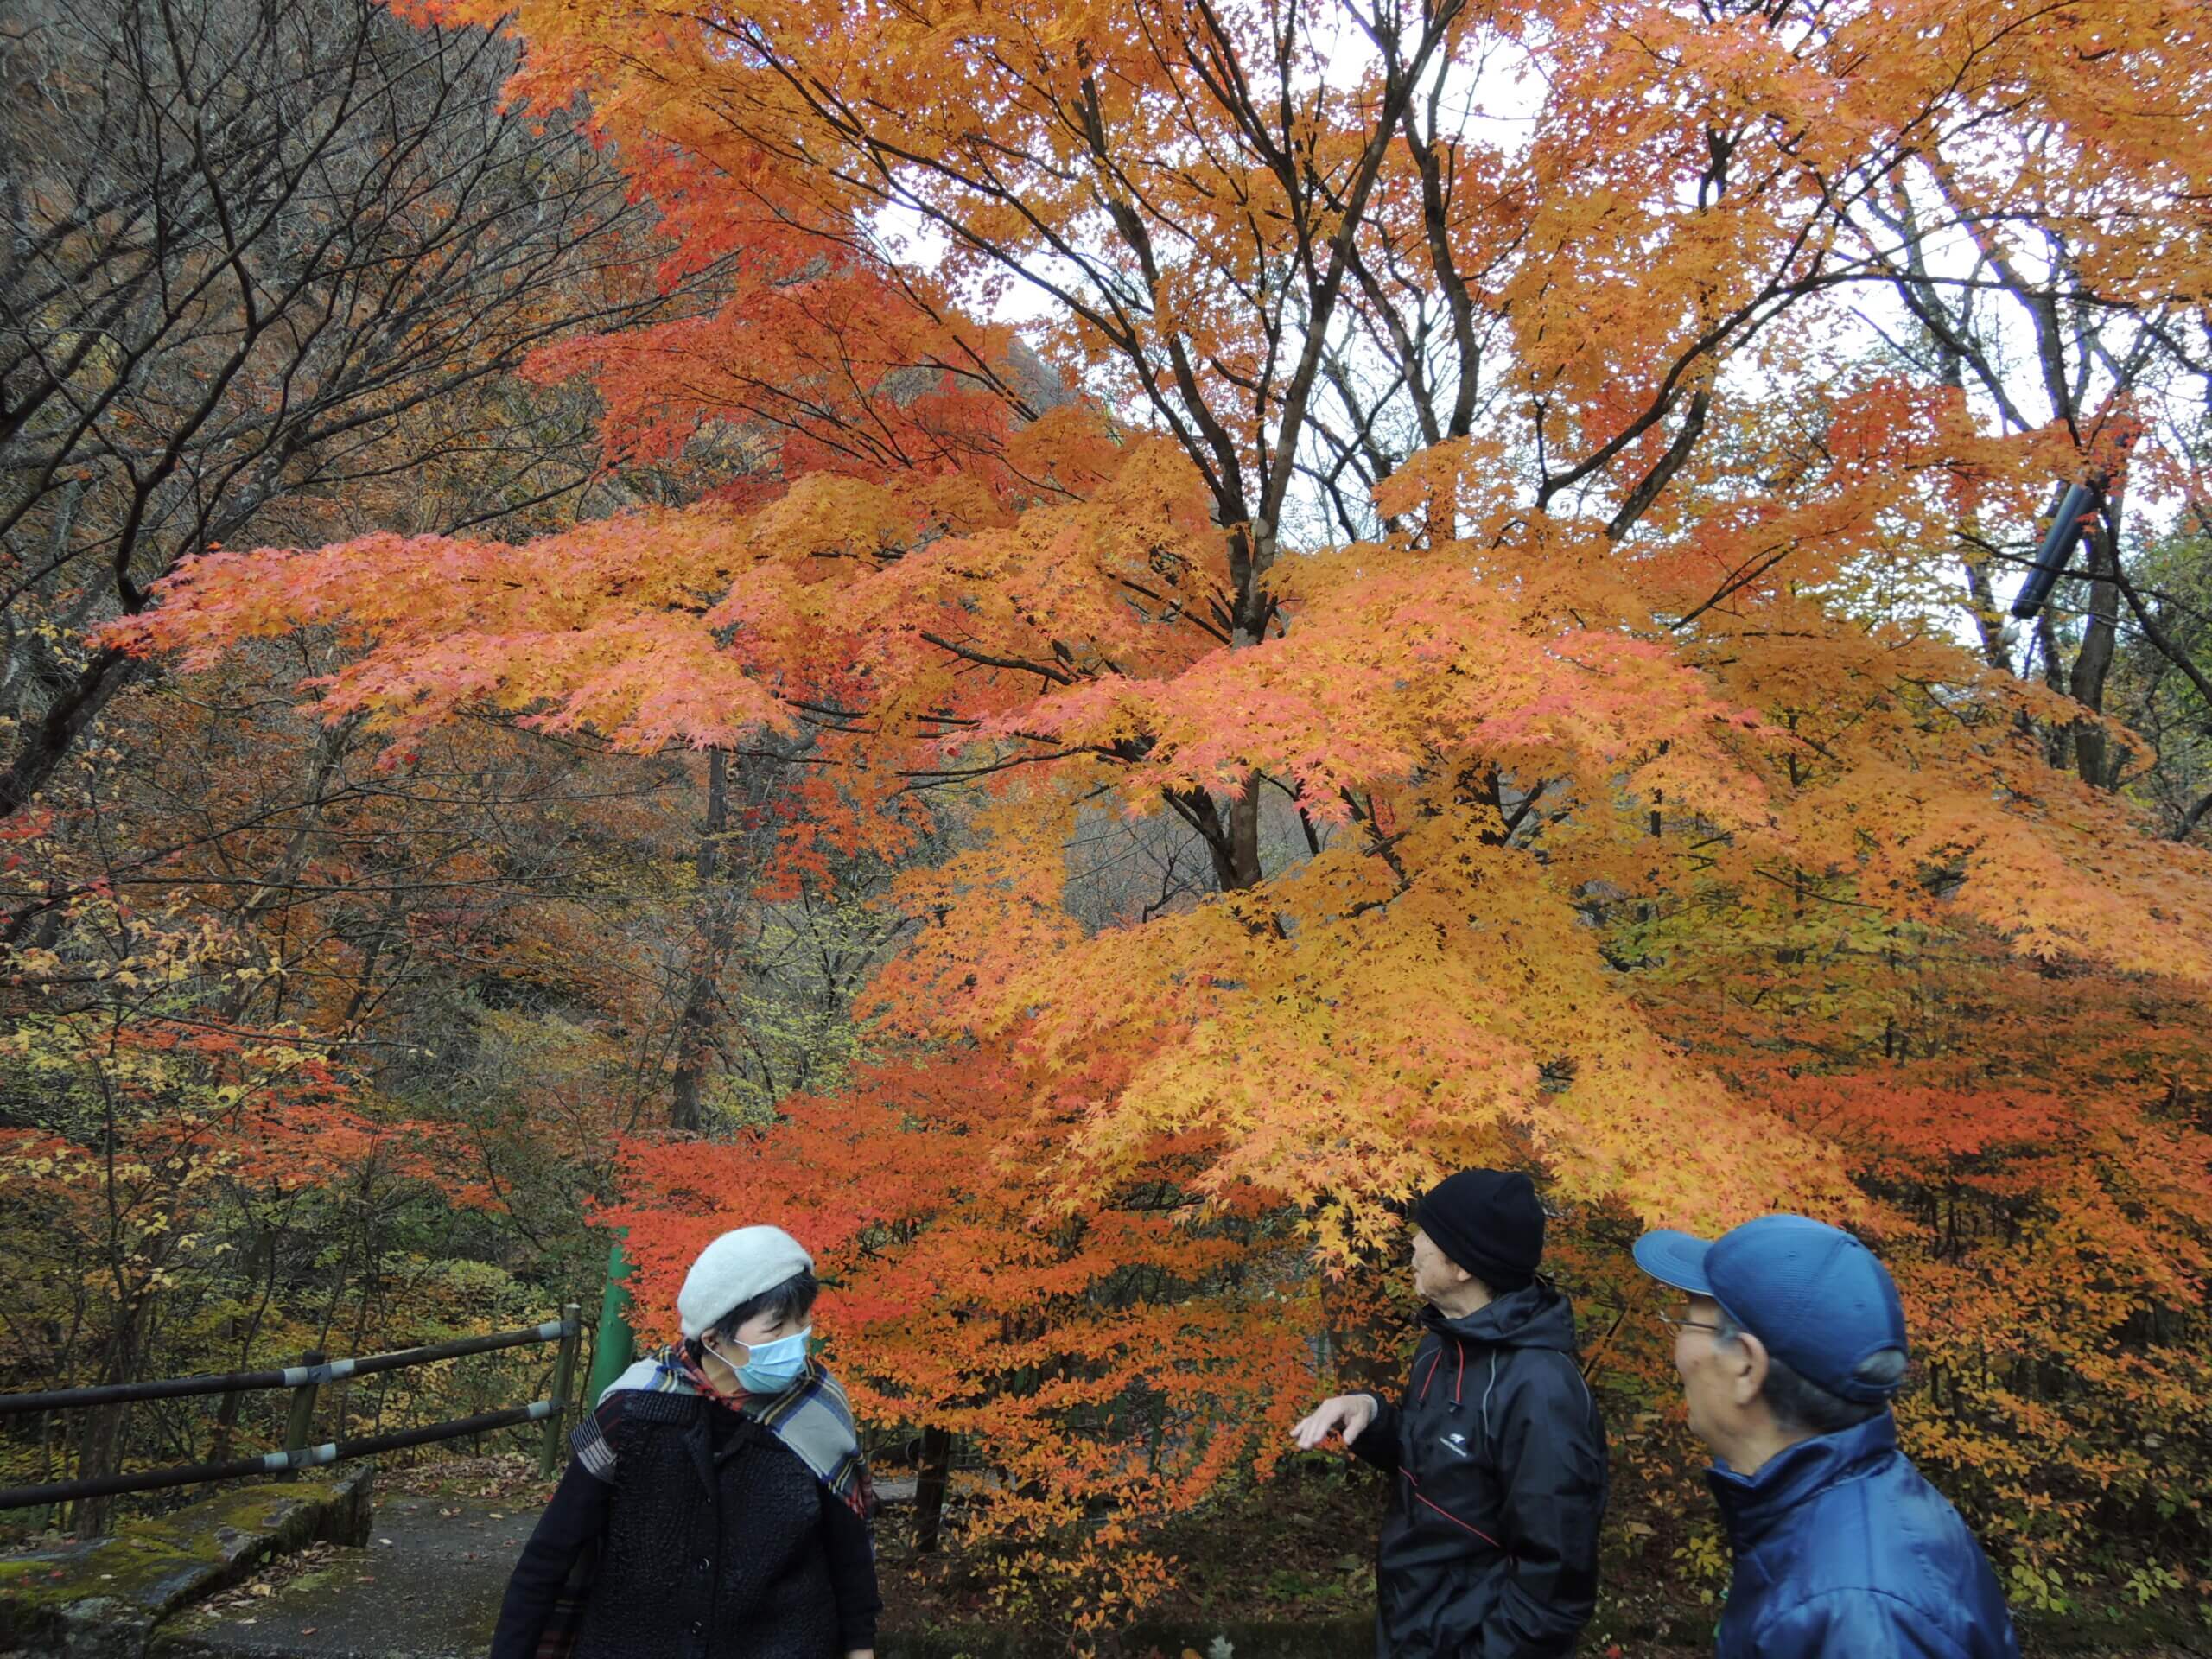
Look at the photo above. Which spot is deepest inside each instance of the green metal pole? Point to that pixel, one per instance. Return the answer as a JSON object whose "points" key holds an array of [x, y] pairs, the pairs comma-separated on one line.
{"points": [[613, 1344]]}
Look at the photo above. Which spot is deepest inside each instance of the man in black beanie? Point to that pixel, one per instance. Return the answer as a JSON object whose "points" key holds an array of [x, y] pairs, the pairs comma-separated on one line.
{"points": [[1490, 1547]]}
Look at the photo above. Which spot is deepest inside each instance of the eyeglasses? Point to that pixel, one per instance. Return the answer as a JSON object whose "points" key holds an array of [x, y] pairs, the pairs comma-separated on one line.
{"points": [[1678, 1322]]}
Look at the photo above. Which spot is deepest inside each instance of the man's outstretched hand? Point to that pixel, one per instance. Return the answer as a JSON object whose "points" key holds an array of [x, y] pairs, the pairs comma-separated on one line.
{"points": [[1348, 1413]]}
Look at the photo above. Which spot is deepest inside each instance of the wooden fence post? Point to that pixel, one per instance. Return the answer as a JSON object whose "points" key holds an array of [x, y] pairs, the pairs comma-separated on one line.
{"points": [[564, 1377], [301, 1424]]}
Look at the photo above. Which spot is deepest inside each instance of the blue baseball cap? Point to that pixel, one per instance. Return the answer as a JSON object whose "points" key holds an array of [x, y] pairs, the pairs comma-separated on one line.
{"points": [[1811, 1292]]}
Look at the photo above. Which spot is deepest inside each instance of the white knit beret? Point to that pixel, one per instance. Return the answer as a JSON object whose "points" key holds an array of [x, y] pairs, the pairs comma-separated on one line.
{"points": [[737, 1267]]}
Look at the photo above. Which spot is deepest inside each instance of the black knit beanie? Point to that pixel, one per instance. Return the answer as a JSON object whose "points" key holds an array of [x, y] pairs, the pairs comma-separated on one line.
{"points": [[1487, 1221]]}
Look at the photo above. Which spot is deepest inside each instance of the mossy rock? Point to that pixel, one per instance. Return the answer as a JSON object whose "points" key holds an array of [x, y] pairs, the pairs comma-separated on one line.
{"points": [[101, 1598]]}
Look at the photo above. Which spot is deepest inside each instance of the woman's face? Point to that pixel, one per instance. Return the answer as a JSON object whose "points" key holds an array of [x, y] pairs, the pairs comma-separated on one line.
{"points": [[720, 1357]]}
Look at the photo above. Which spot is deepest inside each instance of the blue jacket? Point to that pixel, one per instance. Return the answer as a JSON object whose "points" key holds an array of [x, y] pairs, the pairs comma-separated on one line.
{"points": [[1844, 1552]]}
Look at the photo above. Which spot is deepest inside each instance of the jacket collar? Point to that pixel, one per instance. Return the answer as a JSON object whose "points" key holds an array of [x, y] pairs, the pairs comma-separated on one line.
{"points": [[1753, 1505], [1536, 1316]]}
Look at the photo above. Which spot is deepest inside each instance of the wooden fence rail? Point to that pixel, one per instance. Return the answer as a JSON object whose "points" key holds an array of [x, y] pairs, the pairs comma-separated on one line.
{"points": [[305, 1380]]}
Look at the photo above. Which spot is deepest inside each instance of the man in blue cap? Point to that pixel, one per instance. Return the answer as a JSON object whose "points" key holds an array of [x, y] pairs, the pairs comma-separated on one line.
{"points": [[1790, 1349]]}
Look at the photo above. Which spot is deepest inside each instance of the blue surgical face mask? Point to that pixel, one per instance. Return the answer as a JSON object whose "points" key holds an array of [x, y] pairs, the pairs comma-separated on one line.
{"points": [[773, 1366]]}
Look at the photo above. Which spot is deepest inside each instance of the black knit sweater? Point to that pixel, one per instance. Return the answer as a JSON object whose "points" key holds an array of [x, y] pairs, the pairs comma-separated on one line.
{"points": [[714, 1541]]}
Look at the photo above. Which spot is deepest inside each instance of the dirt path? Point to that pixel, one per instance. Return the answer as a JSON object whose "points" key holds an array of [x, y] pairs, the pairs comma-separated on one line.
{"points": [[428, 1586]]}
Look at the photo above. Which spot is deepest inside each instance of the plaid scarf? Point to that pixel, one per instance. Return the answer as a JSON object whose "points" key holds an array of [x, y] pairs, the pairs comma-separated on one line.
{"points": [[811, 1417]]}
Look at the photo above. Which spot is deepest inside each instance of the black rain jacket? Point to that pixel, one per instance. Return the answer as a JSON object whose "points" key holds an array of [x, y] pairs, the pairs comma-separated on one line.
{"points": [[1489, 1548], [713, 1541]]}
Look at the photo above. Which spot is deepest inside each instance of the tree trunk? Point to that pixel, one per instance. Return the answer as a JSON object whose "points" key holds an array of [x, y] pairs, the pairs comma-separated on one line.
{"points": [[105, 1430], [717, 927], [2093, 663], [933, 1477], [44, 747], [1360, 1329], [2058, 741], [226, 1425], [1245, 833], [1232, 841]]}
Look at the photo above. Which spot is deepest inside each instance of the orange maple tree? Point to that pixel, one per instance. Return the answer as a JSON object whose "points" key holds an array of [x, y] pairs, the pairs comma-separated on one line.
{"points": [[1509, 561]]}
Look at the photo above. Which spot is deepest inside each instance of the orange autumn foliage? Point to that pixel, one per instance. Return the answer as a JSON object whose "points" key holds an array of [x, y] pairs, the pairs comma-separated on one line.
{"points": [[1121, 1360], [1494, 561]]}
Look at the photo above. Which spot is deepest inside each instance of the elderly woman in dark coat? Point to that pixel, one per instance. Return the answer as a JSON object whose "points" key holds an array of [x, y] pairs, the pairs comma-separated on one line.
{"points": [[717, 1507]]}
